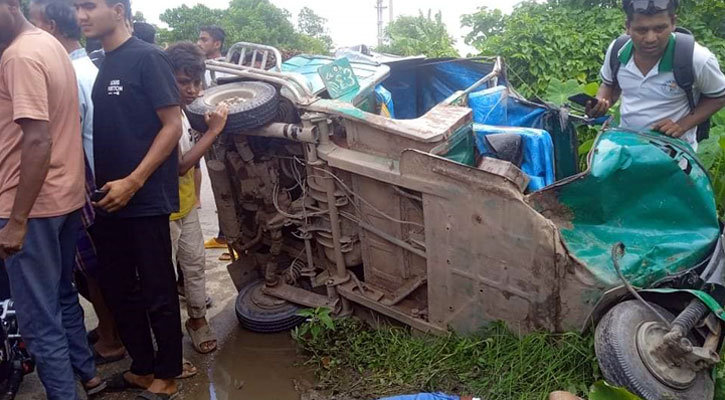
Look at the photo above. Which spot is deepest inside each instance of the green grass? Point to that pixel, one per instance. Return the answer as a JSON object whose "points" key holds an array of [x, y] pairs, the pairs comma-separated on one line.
{"points": [[356, 360]]}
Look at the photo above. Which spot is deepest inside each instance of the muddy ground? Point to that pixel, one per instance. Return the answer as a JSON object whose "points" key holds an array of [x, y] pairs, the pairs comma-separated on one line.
{"points": [[246, 365]]}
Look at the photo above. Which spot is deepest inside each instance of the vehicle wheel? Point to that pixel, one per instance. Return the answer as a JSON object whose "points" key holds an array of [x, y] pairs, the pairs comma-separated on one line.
{"points": [[252, 105], [618, 352], [265, 314]]}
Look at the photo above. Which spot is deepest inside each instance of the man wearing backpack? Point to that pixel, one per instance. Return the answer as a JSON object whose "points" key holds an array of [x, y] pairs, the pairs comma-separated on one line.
{"points": [[666, 81]]}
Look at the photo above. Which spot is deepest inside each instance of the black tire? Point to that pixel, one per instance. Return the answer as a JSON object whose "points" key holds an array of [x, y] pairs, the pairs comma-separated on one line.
{"points": [[259, 109], [619, 359], [265, 320]]}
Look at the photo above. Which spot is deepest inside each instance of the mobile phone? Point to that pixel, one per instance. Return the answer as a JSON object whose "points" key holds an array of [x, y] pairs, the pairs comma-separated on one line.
{"points": [[582, 99], [98, 195]]}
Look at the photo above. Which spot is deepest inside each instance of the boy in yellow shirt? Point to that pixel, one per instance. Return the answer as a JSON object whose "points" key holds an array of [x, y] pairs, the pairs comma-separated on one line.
{"points": [[187, 239]]}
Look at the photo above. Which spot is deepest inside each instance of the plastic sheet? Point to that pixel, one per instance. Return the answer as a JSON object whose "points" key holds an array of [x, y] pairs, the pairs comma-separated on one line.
{"points": [[538, 152], [419, 85], [385, 102], [424, 396]]}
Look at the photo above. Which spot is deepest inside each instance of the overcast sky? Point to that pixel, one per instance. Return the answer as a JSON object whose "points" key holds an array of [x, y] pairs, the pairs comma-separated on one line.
{"points": [[351, 22]]}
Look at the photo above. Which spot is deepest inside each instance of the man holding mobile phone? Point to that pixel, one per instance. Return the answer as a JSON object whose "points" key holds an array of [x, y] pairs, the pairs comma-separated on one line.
{"points": [[642, 70], [136, 131]]}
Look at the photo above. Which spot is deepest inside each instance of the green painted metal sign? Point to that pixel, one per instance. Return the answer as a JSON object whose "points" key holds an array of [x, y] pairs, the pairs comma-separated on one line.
{"points": [[339, 78]]}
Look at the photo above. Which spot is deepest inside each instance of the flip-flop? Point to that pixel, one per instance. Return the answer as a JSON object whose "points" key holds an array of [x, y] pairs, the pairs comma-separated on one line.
{"points": [[92, 391], [200, 336], [146, 395], [101, 360], [187, 373], [117, 383]]}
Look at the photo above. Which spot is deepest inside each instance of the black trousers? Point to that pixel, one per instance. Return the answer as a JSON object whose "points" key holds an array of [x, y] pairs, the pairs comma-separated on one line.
{"points": [[138, 282]]}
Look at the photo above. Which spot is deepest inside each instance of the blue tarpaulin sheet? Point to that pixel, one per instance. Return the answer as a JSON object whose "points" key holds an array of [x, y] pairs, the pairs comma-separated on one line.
{"points": [[497, 112], [385, 100], [424, 396], [538, 152], [420, 85]]}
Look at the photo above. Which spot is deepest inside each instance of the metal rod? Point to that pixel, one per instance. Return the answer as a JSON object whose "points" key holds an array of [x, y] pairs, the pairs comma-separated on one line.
{"points": [[285, 131], [393, 240], [260, 75], [222, 188], [289, 77]]}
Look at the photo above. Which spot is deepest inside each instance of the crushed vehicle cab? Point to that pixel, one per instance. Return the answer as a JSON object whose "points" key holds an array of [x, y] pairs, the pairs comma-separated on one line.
{"points": [[430, 192]]}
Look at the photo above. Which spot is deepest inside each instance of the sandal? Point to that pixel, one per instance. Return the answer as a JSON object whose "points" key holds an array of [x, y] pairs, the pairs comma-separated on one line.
{"points": [[201, 336], [118, 383], [92, 391], [188, 370], [146, 395]]}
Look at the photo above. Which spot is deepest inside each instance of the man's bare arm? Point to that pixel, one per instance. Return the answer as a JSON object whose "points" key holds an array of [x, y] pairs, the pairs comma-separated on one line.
{"points": [[704, 110], [36, 145], [215, 120], [121, 191]]}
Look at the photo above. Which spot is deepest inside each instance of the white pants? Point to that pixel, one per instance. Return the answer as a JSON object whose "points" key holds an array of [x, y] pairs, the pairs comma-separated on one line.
{"points": [[187, 249]]}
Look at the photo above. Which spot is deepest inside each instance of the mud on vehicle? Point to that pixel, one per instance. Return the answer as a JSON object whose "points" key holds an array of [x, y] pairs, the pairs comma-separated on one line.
{"points": [[430, 192]]}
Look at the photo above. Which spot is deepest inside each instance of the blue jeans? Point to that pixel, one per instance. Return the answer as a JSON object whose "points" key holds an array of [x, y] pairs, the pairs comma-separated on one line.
{"points": [[49, 315]]}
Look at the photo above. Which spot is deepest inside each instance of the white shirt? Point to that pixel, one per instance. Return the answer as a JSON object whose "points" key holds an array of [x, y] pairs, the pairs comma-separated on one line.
{"points": [[86, 73], [186, 142], [649, 99]]}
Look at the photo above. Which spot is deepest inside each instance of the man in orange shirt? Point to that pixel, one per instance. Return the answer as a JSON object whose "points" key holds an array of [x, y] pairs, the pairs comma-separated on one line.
{"points": [[41, 192]]}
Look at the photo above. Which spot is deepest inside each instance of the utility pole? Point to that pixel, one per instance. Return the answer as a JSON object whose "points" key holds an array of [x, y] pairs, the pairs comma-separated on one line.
{"points": [[380, 9], [392, 15]]}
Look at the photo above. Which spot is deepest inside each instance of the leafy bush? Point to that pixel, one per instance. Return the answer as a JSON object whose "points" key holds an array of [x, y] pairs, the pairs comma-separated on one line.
{"points": [[567, 39], [412, 36], [256, 21], [712, 155]]}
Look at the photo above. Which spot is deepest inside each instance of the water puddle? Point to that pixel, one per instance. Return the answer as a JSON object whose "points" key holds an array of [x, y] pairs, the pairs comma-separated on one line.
{"points": [[257, 367]]}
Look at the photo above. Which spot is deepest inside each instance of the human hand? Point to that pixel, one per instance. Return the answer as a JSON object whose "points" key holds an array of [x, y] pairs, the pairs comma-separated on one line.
{"points": [[119, 193], [217, 119], [598, 110], [669, 128], [12, 237]]}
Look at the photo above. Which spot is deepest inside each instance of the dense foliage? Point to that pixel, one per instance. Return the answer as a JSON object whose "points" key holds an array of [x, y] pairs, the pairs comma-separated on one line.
{"points": [[566, 39], [424, 34], [257, 21]]}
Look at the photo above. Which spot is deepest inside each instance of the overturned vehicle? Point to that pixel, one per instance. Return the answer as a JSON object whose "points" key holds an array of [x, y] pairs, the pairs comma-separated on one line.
{"points": [[428, 191]]}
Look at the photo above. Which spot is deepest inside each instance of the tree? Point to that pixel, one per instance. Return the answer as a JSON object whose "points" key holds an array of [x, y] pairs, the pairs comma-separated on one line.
{"points": [[427, 35], [257, 21], [139, 17], [566, 39], [184, 22], [313, 25], [484, 23]]}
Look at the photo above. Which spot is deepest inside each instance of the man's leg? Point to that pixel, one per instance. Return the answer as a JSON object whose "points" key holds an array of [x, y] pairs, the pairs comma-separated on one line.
{"points": [[158, 284], [35, 281], [191, 259], [114, 239], [80, 353]]}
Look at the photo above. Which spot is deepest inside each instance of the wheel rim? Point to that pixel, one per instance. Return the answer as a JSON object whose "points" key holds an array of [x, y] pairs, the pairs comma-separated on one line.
{"points": [[650, 337], [264, 301], [238, 95]]}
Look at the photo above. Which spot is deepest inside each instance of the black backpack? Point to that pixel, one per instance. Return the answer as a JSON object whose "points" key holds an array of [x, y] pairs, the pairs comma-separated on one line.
{"points": [[682, 67]]}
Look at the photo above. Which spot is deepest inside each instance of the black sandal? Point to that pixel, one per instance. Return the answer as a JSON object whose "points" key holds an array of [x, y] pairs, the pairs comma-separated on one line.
{"points": [[118, 383]]}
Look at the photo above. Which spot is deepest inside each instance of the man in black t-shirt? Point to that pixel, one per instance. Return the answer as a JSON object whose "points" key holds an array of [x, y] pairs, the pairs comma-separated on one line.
{"points": [[137, 125]]}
